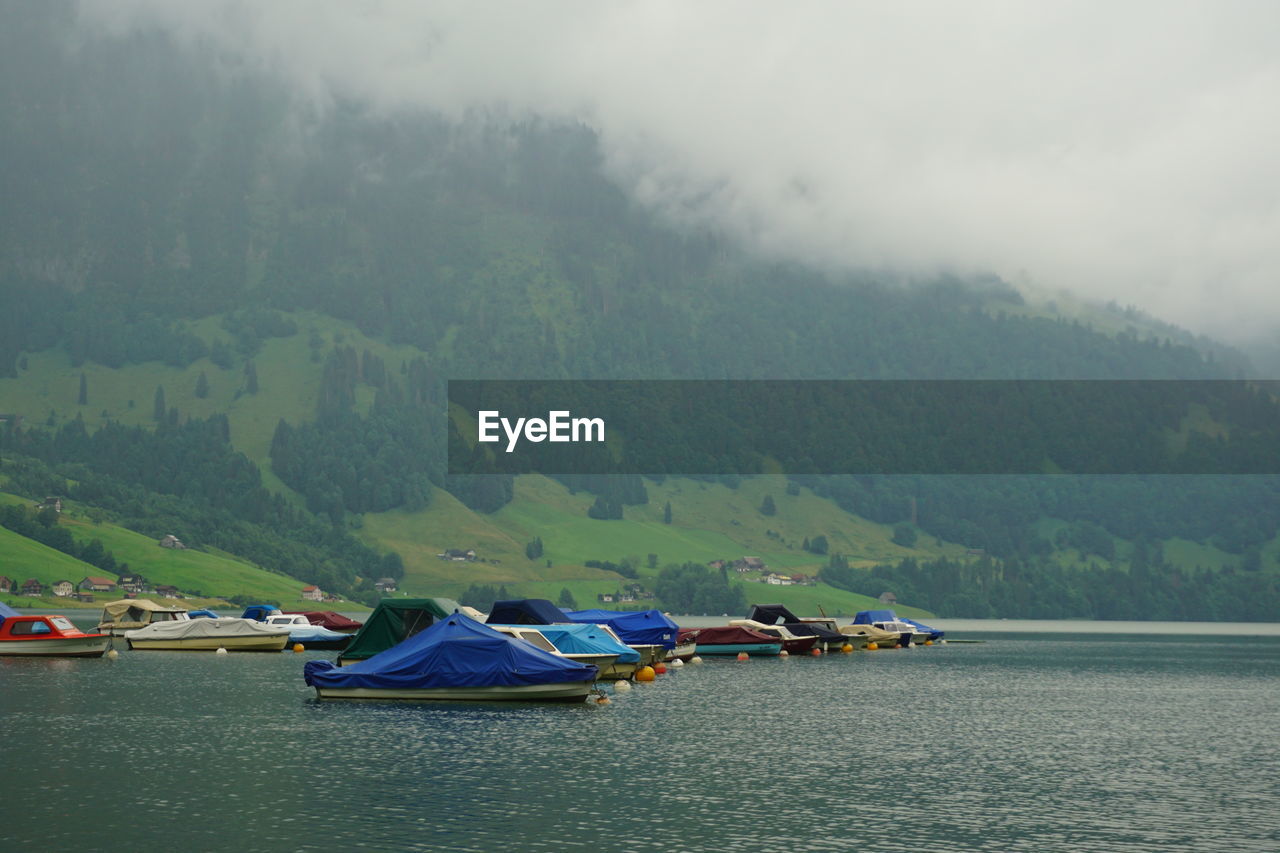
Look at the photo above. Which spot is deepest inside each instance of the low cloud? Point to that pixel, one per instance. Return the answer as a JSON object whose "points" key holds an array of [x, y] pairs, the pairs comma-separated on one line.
{"points": [[1120, 151]]}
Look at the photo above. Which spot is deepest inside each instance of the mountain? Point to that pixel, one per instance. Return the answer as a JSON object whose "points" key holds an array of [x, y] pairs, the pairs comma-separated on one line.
{"points": [[227, 316]]}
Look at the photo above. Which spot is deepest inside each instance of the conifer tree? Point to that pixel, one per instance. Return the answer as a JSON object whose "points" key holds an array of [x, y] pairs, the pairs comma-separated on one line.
{"points": [[202, 386], [84, 390]]}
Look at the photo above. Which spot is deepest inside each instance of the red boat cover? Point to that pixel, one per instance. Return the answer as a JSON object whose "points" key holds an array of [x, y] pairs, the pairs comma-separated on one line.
{"points": [[328, 619], [724, 635]]}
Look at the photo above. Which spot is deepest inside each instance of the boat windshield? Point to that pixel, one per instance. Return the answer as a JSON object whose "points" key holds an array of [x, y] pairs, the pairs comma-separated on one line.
{"points": [[536, 638], [62, 623]]}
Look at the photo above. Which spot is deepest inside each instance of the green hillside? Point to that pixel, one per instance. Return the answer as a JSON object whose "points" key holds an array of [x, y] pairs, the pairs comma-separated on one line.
{"points": [[201, 574]]}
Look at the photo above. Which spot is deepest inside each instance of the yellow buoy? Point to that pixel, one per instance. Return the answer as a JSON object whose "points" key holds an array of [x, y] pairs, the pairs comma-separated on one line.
{"points": [[928, 642], [695, 659], [645, 673], [297, 647], [846, 648], [871, 647], [743, 656]]}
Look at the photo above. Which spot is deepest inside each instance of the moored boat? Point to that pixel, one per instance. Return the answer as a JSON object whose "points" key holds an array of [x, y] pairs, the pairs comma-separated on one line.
{"points": [[593, 644], [130, 614], [792, 643], [458, 659], [649, 632], [887, 620], [328, 619], [829, 638], [46, 636], [230, 633], [732, 640], [302, 631], [393, 621]]}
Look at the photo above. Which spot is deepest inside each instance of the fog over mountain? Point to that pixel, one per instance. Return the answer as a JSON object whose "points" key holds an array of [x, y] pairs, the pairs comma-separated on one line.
{"points": [[1121, 152]]}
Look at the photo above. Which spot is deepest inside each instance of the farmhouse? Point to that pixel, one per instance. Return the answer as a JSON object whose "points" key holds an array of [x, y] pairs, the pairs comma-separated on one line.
{"points": [[63, 589], [96, 584], [312, 593], [32, 588]]}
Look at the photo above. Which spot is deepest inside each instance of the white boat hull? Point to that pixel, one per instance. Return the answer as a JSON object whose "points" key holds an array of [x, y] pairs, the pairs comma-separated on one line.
{"points": [[209, 644], [564, 692], [62, 647]]}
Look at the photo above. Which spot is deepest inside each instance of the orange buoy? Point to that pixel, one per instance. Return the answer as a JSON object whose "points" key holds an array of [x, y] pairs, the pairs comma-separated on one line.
{"points": [[602, 700], [928, 642], [645, 673], [846, 648], [297, 647], [743, 656], [817, 652], [871, 647], [660, 668]]}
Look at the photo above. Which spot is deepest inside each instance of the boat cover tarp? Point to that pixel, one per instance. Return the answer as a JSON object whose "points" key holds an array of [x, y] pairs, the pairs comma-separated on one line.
{"points": [[259, 612], [635, 627], [728, 635], [194, 629], [457, 651], [202, 614], [934, 633], [116, 609], [772, 614], [587, 640], [393, 621], [327, 619], [866, 617], [6, 611], [525, 611], [871, 633]]}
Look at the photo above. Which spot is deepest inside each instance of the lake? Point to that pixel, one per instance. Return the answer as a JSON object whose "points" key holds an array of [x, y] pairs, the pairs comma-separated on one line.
{"points": [[1028, 741]]}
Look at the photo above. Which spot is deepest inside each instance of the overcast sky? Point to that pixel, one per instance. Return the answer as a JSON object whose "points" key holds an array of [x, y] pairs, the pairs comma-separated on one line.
{"points": [[1126, 151]]}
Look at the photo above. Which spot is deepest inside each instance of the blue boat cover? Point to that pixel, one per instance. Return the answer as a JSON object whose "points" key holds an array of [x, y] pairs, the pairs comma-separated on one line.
{"points": [[587, 640], [866, 617], [525, 611], [637, 627], [202, 614], [259, 612], [934, 633], [455, 652], [6, 611]]}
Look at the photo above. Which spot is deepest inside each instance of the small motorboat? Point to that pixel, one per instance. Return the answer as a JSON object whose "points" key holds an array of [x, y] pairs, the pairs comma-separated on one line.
{"points": [[328, 619], [393, 621], [459, 659], [732, 640], [47, 636], [829, 637], [887, 620], [792, 643], [129, 614], [310, 636], [649, 632], [230, 633], [593, 644], [861, 636]]}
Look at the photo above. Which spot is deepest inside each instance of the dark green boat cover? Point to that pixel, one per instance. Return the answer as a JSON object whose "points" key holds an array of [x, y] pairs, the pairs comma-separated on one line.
{"points": [[393, 621]]}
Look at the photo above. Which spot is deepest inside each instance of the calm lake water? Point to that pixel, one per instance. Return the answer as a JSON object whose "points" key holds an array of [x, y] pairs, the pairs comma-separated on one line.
{"points": [[1036, 742]]}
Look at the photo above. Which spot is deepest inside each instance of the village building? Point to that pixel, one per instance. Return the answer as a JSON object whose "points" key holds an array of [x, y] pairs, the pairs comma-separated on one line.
{"points": [[604, 597], [6, 584], [84, 596], [171, 541], [749, 564], [63, 589], [51, 502], [96, 584], [168, 592], [887, 597], [32, 588], [457, 555], [385, 585], [132, 583], [312, 593]]}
